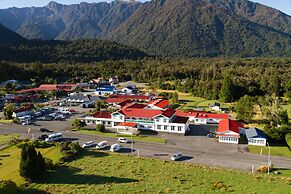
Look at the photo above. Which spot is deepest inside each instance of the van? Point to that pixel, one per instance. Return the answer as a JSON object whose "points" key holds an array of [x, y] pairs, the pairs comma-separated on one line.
{"points": [[115, 147], [54, 137]]}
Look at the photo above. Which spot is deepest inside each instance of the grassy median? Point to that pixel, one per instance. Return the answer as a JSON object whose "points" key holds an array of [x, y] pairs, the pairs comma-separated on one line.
{"points": [[114, 135]]}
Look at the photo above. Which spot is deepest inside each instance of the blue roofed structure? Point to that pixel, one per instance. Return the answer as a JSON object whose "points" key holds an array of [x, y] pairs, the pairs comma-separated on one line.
{"points": [[103, 90], [256, 136]]}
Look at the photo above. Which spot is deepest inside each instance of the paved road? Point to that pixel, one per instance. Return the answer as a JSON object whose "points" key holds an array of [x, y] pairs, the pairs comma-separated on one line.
{"points": [[197, 149]]}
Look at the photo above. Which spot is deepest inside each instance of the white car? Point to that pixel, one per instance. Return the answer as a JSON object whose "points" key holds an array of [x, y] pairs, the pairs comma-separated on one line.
{"points": [[88, 144], [177, 156], [115, 147], [101, 145], [124, 140]]}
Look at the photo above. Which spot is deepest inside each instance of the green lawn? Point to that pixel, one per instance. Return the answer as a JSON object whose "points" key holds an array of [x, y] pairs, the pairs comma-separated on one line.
{"points": [[136, 138], [4, 139], [192, 102], [104, 172], [10, 157], [6, 121], [275, 150]]}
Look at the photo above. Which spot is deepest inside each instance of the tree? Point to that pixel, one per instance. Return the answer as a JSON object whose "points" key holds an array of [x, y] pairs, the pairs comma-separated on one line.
{"points": [[77, 123], [175, 98], [100, 127], [8, 111], [245, 108], [32, 164], [227, 90], [277, 133]]}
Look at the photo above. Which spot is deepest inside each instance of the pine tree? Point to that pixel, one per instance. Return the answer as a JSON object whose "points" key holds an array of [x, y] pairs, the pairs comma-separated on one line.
{"points": [[227, 90]]}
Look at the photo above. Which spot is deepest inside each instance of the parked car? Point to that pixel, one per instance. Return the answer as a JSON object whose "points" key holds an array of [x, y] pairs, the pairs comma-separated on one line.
{"points": [[42, 137], [43, 130], [26, 123], [54, 137], [124, 140], [177, 156], [211, 135], [115, 148], [47, 118], [88, 144], [101, 145]]}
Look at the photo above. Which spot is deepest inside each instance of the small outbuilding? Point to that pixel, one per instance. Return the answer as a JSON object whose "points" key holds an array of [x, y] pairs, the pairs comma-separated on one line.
{"points": [[256, 137]]}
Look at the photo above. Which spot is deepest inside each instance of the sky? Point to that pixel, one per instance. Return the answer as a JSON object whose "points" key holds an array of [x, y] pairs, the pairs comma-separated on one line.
{"points": [[282, 5]]}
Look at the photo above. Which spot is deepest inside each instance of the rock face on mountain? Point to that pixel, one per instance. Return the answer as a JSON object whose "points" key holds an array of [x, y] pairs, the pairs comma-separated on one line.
{"points": [[198, 28], [184, 28], [56, 21], [7, 36]]}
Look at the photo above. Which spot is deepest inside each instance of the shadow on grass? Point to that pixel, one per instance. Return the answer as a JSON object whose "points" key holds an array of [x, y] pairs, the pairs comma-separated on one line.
{"points": [[185, 158], [92, 153], [4, 155], [71, 175], [31, 191], [126, 150]]}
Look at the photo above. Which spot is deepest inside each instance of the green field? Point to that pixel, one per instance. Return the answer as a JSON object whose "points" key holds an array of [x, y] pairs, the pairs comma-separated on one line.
{"points": [[4, 139], [191, 102], [10, 157], [275, 150], [103, 172], [136, 138]]}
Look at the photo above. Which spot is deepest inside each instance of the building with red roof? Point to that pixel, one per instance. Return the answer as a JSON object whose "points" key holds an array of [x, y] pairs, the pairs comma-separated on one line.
{"points": [[203, 117], [51, 87], [228, 131], [145, 119], [160, 104]]}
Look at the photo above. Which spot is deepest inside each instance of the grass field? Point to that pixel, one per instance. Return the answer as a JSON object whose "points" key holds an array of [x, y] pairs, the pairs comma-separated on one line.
{"points": [[102, 172], [136, 138], [275, 150], [6, 121], [192, 102], [10, 157], [4, 139]]}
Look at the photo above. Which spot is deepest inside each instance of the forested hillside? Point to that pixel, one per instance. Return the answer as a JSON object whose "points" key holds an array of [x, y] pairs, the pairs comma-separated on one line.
{"points": [[202, 77], [74, 51]]}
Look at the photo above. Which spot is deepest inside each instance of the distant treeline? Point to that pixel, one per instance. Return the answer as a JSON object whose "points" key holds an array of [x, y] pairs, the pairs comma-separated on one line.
{"points": [[202, 77], [79, 51]]}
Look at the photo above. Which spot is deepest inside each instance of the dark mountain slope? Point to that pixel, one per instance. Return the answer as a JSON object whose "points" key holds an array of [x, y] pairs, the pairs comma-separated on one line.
{"points": [[194, 28], [7, 36]]}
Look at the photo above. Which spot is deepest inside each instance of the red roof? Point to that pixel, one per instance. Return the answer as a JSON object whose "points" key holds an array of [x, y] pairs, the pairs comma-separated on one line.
{"points": [[115, 100], [179, 119], [136, 105], [229, 125], [141, 113], [161, 103], [24, 109], [169, 112], [127, 124], [201, 114], [102, 114], [132, 97], [125, 103]]}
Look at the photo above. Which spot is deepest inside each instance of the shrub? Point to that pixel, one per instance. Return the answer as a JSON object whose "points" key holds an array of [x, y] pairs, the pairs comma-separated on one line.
{"points": [[34, 143], [288, 139], [32, 164], [49, 165], [264, 168], [70, 151], [8, 187], [100, 127]]}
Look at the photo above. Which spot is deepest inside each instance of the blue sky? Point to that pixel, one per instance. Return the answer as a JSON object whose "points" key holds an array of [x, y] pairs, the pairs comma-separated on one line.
{"points": [[283, 5]]}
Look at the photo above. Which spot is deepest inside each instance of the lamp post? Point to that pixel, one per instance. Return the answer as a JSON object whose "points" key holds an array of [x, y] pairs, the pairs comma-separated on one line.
{"points": [[269, 158]]}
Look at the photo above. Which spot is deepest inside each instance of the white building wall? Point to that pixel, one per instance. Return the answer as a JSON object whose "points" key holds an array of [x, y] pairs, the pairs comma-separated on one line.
{"points": [[257, 141], [226, 139]]}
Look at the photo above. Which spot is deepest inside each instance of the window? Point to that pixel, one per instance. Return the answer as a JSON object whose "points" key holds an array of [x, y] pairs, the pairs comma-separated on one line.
{"points": [[159, 127], [165, 127], [165, 120], [120, 117], [172, 128], [179, 128]]}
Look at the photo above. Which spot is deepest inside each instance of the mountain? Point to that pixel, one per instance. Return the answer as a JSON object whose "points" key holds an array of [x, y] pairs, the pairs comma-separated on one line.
{"points": [[199, 28], [57, 21], [7, 36], [183, 28]]}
